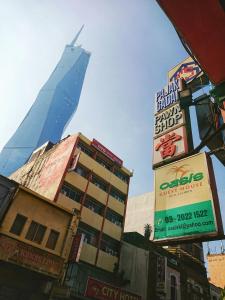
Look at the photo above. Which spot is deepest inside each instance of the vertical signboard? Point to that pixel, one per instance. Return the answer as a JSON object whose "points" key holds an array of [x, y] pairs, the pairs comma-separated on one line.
{"points": [[161, 274], [76, 247], [172, 134], [186, 203]]}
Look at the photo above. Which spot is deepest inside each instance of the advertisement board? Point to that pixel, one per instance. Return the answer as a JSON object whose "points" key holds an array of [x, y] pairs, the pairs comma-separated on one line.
{"points": [[186, 202], [31, 257], [170, 146], [45, 174], [103, 291]]}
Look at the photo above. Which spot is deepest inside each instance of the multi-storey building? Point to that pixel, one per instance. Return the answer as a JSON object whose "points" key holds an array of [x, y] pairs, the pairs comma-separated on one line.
{"points": [[35, 240], [94, 182], [51, 112]]}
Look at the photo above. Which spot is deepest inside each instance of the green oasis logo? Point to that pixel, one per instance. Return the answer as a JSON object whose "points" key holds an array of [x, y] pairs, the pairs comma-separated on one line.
{"points": [[182, 181]]}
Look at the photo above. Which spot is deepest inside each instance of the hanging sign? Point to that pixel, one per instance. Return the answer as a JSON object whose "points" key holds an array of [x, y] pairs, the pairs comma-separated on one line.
{"points": [[186, 202]]}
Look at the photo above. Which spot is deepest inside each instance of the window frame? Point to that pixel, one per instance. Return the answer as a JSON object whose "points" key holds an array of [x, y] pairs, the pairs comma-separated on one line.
{"points": [[36, 232], [48, 243], [13, 230]]}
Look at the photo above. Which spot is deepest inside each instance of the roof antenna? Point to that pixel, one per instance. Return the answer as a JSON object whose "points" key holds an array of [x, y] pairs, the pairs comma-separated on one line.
{"points": [[76, 37]]}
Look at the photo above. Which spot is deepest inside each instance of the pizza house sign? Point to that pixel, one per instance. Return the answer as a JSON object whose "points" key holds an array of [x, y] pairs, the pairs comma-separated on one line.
{"points": [[170, 132]]}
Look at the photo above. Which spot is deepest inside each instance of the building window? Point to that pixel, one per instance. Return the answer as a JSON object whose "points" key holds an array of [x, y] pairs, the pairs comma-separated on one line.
{"points": [[93, 205], [118, 195], [36, 232], [99, 183], [114, 217], [18, 224], [103, 163], [90, 234], [173, 287], [109, 245], [121, 175], [71, 192], [52, 239], [85, 149], [82, 171]]}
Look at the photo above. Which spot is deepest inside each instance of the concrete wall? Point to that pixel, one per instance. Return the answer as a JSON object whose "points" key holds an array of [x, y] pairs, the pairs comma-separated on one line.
{"points": [[216, 268], [135, 261], [140, 211]]}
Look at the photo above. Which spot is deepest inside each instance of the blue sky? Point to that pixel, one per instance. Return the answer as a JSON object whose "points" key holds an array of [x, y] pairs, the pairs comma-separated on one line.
{"points": [[133, 45]]}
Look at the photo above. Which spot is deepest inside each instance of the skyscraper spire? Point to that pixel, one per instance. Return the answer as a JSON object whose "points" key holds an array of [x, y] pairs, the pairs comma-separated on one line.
{"points": [[51, 112], [76, 36]]}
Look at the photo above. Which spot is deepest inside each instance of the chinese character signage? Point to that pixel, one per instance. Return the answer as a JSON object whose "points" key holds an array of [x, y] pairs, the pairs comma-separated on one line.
{"points": [[186, 202], [103, 291], [170, 146]]}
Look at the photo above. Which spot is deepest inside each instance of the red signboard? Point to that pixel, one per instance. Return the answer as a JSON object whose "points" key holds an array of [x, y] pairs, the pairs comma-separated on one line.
{"points": [[107, 152], [76, 247], [103, 291], [30, 257]]}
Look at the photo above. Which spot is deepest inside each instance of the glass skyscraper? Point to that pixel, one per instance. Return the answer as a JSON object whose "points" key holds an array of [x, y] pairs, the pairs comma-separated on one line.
{"points": [[52, 110]]}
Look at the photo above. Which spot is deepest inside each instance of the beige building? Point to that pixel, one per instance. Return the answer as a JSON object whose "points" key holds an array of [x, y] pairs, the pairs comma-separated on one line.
{"points": [[140, 211], [35, 240], [216, 267]]}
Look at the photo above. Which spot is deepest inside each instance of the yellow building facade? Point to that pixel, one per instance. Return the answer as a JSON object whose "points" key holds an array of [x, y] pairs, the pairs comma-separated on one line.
{"points": [[95, 183]]}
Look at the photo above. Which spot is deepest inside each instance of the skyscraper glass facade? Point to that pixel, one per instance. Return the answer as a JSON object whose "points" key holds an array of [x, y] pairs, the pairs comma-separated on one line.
{"points": [[52, 110]]}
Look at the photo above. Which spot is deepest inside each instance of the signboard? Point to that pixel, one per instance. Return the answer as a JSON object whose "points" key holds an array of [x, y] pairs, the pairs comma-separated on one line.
{"points": [[168, 119], [186, 203], [161, 274], [106, 152], [103, 291], [187, 70], [76, 247], [45, 174], [170, 146], [168, 95], [30, 257]]}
